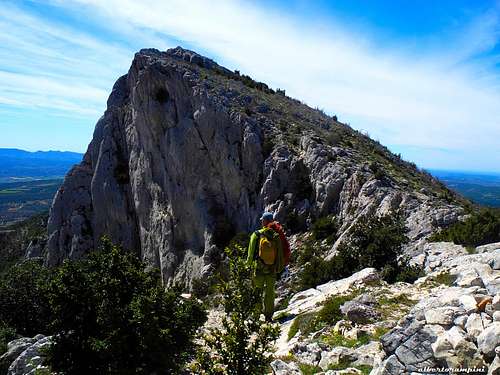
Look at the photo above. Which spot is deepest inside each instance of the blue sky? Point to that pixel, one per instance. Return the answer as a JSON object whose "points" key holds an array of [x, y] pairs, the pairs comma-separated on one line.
{"points": [[422, 77]]}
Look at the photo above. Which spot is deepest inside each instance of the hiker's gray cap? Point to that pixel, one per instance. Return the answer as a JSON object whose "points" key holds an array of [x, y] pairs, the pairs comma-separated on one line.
{"points": [[267, 216]]}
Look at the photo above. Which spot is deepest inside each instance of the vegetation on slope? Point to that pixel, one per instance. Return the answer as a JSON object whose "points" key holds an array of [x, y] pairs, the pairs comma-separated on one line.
{"points": [[374, 242], [21, 200], [110, 315], [284, 120], [15, 239], [479, 228], [243, 344]]}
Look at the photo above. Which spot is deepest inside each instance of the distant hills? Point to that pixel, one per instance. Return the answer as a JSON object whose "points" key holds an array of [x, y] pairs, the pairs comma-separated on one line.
{"points": [[29, 180], [481, 188], [16, 165]]}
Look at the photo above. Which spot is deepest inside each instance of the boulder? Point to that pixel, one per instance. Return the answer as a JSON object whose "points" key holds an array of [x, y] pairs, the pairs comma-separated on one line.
{"points": [[30, 361], [282, 368], [495, 303], [489, 248], [416, 352], [442, 347], [440, 315], [395, 337], [489, 310], [469, 277], [496, 316], [494, 368], [391, 366], [335, 356], [308, 353], [369, 354], [489, 339], [474, 325], [14, 349], [468, 302], [358, 312], [486, 319], [311, 299], [461, 321]]}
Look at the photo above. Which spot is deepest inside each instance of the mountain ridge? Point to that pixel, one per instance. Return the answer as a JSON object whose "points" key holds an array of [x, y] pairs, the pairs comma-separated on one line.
{"points": [[49, 154], [188, 154]]}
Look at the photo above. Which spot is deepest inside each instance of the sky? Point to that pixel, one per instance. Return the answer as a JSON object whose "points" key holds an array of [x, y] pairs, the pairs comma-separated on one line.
{"points": [[422, 77]]}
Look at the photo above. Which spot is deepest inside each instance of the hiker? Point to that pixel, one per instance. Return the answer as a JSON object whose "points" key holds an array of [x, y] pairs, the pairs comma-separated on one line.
{"points": [[268, 253]]}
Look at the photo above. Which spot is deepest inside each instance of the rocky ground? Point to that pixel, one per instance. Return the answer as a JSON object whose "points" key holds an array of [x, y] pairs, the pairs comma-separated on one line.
{"points": [[450, 318]]}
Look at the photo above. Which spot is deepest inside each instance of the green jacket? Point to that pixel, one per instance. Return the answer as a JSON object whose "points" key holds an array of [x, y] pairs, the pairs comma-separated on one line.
{"points": [[253, 258]]}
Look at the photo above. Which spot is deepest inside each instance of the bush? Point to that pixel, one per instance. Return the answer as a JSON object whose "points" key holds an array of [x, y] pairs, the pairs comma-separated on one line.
{"points": [[325, 228], [293, 222], [7, 334], [377, 171], [330, 312], [480, 228], [319, 271], [305, 323], [23, 302], [402, 271], [112, 317], [374, 242], [243, 343]]}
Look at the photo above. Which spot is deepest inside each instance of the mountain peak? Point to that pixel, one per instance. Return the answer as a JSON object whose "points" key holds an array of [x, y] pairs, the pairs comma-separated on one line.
{"points": [[189, 153]]}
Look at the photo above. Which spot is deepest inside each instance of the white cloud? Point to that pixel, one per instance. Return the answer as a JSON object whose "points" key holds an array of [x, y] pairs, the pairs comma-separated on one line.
{"points": [[51, 66], [441, 94]]}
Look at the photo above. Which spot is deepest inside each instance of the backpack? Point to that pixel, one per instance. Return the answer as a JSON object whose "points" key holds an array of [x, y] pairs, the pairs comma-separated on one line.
{"points": [[267, 246], [284, 242]]}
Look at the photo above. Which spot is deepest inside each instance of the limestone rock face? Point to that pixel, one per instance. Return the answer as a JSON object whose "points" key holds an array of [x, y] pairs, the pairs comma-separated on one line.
{"points": [[187, 155]]}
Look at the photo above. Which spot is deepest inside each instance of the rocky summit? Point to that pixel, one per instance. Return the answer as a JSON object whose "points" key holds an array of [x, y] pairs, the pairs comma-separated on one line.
{"points": [[189, 153]]}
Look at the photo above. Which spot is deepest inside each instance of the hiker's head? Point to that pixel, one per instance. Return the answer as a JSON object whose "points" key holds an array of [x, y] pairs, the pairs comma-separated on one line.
{"points": [[266, 218]]}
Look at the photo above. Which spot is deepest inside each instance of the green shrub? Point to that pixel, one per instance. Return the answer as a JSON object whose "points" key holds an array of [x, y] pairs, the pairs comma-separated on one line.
{"points": [[243, 343], [330, 312], [306, 323], [480, 228], [375, 242], [307, 369], [114, 318], [377, 170], [325, 228], [336, 339], [267, 146], [403, 272], [379, 332], [293, 222], [444, 278], [319, 271], [7, 334], [23, 301]]}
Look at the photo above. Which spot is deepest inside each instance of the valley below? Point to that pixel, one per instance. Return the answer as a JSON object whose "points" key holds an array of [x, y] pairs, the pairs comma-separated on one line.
{"points": [[21, 200]]}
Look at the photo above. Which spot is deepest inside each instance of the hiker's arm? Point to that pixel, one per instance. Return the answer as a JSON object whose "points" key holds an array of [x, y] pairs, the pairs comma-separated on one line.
{"points": [[251, 248]]}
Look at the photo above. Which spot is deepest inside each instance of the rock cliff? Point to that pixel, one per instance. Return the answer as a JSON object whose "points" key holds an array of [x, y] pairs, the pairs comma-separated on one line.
{"points": [[188, 154]]}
